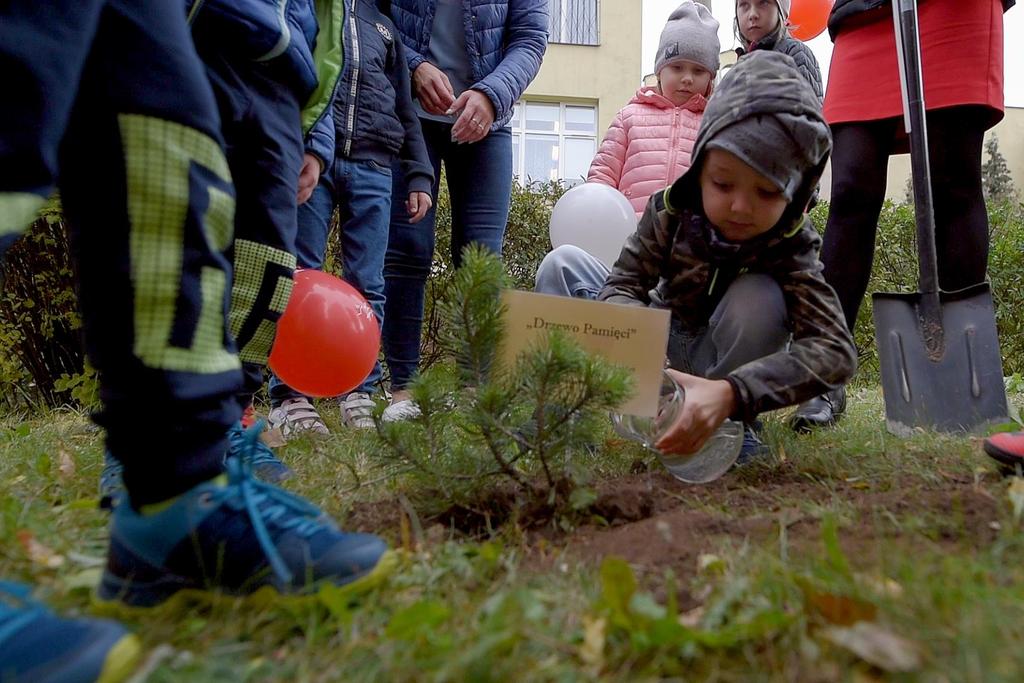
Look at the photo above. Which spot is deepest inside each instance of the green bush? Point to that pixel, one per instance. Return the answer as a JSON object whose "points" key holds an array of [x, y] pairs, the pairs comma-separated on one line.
{"points": [[40, 325], [43, 362], [895, 270]]}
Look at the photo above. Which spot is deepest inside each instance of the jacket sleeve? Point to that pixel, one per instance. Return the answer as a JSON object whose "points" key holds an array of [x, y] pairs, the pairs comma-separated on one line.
{"points": [[807, 64], [416, 166], [526, 39], [606, 168], [642, 259], [821, 355], [317, 122]]}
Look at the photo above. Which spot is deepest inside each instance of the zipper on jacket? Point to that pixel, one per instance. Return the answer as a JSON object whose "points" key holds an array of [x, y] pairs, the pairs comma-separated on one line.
{"points": [[194, 10], [286, 33], [350, 126], [714, 279]]}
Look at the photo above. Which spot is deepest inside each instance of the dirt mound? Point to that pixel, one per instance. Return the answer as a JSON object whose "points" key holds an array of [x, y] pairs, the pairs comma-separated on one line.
{"points": [[685, 522]]}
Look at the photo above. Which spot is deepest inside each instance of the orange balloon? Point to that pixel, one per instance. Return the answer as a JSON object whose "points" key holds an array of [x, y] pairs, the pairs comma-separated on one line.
{"points": [[328, 338], [808, 18]]}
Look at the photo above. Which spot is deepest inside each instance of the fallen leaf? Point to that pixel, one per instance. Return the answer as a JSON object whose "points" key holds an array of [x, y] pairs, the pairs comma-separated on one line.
{"points": [[1016, 495], [876, 645], [592, 648], [842, 610], [87, 579], [710, 563], [273, 438], [86, 560], [37, 552], [692, 618], [66, 467]]}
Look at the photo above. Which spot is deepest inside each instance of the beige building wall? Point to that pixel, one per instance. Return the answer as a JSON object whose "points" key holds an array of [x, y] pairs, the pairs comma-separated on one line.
{"points": [[604, 74], [1009, 131]]}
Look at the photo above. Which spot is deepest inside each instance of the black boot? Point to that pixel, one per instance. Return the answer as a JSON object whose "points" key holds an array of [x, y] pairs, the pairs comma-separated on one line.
{"points": [[820, 411]]}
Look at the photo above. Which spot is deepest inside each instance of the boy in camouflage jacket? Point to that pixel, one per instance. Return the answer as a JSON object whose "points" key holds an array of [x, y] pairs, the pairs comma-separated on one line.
{"points": [[730, 250]]}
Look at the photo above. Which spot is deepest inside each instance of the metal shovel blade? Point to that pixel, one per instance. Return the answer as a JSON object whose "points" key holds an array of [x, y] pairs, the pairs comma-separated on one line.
{"points": [[955, 388]]}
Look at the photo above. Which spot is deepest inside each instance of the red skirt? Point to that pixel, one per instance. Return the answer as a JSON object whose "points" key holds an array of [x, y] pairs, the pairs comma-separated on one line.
{"points": [[961, 54]]}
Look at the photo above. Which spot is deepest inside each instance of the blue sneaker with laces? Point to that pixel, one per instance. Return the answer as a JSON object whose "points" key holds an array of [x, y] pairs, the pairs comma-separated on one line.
{"points": [[37, 645], [265, 465], [753, 448], [111, 483], [234, 536]]}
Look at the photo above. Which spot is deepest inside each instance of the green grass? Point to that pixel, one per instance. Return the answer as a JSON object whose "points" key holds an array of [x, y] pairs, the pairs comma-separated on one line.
{"points": [[916, 536]]}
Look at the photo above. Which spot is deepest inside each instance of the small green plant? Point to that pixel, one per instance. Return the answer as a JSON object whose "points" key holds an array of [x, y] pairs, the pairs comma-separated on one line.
{"points": [[496, 441]]}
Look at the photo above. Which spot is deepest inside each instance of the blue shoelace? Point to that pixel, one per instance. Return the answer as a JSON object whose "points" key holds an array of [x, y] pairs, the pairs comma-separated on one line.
{"points": [[259, 452], [284, 511], [12, 619]]}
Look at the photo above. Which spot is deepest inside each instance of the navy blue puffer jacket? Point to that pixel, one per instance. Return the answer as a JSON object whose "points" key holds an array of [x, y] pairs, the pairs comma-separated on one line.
{"points": [[506, 40], [265, 30]]}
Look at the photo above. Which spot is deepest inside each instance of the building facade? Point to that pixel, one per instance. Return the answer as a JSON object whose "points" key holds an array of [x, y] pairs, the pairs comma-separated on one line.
{"points": [[590, 71]]}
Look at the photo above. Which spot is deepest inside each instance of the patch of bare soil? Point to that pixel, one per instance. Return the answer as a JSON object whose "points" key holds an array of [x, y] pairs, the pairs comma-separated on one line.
{"points": [[656, 522]]}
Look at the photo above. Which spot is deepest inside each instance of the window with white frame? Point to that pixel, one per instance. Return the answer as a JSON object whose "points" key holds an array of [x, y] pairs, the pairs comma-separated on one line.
{"points": [[574, 22], [553, 141]]}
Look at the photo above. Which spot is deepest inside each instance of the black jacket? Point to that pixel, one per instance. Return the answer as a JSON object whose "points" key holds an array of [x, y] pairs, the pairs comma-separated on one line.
{"points": [[373, 113], [843, 10], [781, 41]]}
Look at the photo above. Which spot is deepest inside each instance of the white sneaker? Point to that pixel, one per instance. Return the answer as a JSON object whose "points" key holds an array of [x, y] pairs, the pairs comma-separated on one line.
{"points": [[403, 410], [296, 415], [357, 410]]}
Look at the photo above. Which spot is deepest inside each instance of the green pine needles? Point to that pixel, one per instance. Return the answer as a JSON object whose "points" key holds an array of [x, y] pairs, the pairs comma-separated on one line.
{"points": [[495, 442]]}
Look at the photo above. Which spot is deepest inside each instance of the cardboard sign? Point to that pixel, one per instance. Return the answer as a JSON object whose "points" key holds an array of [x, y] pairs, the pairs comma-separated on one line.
{"points": [[634, 337]]}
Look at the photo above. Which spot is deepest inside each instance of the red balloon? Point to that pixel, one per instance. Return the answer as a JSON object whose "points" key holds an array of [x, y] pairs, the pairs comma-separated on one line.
{"points": [[328, 338], [808, 18]]}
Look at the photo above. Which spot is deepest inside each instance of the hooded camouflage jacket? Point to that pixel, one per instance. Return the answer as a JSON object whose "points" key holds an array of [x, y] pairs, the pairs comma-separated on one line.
{"points": [[677, 260]]}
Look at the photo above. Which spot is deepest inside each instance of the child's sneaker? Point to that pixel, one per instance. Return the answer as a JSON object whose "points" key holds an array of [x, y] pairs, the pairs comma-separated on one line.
{"points": [[264, 463], [296, 415], [753, 448], [1007, 448], [357, 410], [236, 536], [37, 645], [111, 484], [401, 411]]}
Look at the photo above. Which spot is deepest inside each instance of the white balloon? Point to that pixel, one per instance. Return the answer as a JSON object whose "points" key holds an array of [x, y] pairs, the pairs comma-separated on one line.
{"points": [[594, 217]]}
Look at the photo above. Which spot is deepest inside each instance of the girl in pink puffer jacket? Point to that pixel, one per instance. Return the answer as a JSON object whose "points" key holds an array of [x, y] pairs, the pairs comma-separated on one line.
{"points": [[648, 144]]}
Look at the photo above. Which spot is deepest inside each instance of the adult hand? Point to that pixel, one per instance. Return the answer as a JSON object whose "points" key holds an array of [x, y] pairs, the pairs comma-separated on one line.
{"points": [[708, 403], [475, 119], [432, 88], [309, 176], [417, 205]]}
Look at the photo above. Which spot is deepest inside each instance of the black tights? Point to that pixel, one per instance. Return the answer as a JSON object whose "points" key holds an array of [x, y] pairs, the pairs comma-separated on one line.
{"points": [[860, 157]]}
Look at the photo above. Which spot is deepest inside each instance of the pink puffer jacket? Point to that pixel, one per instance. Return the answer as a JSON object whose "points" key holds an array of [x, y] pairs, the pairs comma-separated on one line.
{"points": [[647, 146]]}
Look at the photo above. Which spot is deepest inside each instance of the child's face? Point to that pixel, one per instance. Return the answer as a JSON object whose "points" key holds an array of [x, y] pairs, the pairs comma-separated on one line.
{"points": [[679, 81], [757, 18], [738, 200]]}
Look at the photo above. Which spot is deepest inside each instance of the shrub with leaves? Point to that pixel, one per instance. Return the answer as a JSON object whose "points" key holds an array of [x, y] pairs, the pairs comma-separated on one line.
{"points": [[44, 362], [895, 270], [493, 441]]}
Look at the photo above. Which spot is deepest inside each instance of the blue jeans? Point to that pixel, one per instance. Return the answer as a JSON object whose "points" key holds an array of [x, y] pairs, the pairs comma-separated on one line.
{"points": [[362, 192], [480, 186], [750, 321]]}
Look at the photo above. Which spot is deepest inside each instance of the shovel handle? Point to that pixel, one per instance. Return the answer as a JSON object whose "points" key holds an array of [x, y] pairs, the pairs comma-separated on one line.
{"points": [[911, 81], [908, 47]]}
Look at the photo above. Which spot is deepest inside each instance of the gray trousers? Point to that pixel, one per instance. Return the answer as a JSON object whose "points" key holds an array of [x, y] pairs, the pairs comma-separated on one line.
{"points": [[748, 323]]}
